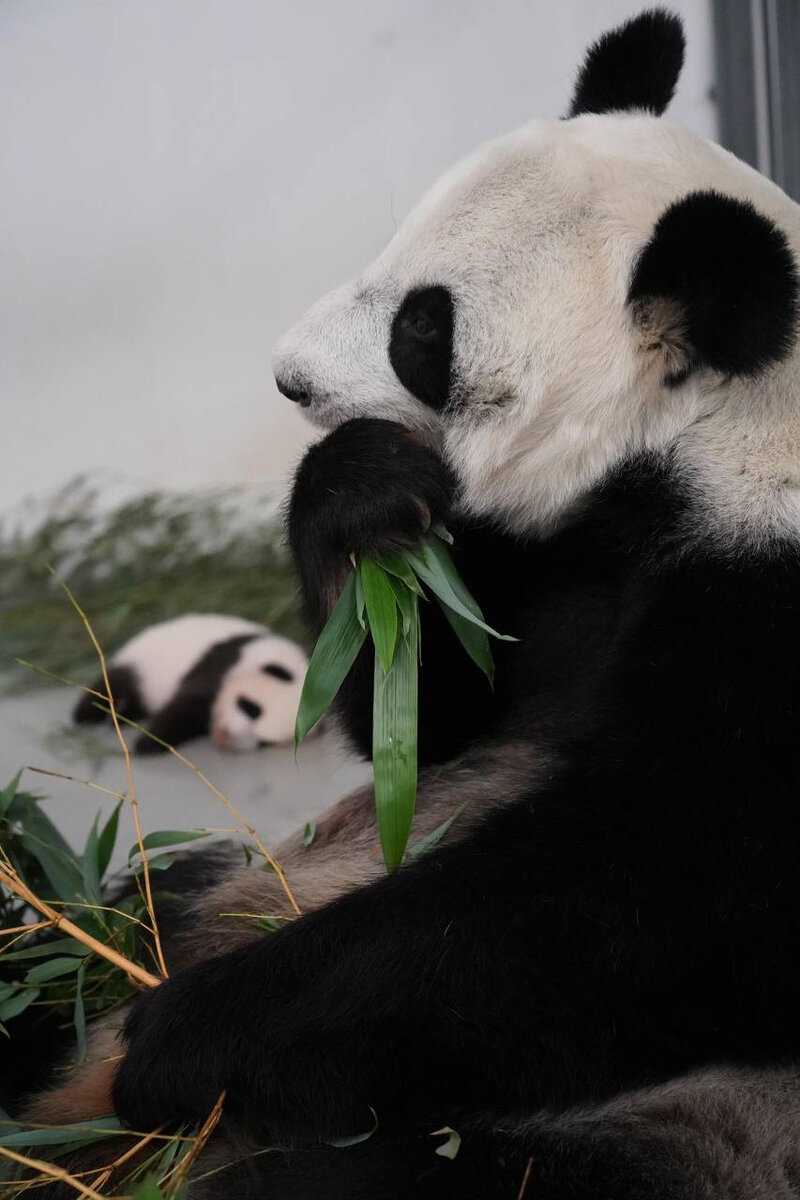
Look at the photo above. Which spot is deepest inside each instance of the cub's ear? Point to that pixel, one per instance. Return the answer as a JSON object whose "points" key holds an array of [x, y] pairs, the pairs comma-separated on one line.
{"points": [[718, 284], [635, 66]]}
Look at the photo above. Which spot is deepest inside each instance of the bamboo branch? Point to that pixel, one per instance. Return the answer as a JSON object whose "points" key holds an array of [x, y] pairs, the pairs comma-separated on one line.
{"points": [[10, 879], [126, 754], [54, 1172]]}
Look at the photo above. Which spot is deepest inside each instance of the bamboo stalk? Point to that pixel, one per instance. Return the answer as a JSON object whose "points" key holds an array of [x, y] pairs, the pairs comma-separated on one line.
{"points": [[10, 879], [126, 754], [54, 1172], [208, 1127]]}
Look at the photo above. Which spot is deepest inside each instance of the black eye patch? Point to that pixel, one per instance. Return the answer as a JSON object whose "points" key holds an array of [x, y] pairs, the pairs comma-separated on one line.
{"points": [[421, 344], [278, 672], [248, 707]]}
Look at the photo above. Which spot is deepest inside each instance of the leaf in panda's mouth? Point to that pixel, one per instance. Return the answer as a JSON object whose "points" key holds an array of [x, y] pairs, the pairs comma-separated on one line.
{"points": [[381, 597]]}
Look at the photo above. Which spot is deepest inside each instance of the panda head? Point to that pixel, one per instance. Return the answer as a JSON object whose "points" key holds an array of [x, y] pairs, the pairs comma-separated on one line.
{"points": [[257, 702], [575, 293]]}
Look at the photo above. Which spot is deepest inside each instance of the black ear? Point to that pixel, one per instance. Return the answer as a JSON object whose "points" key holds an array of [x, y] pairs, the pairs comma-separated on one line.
{"points": [[632, 67], [730, 278]]}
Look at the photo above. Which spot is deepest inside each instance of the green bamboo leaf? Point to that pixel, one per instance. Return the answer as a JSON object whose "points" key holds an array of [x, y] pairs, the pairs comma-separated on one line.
{"points": [[309, 833], [62, 1135], [52, 969], [17, 1002], [334, 655], [8, 793], [381, 610], [167, 837], [53, 853], [66, 945], [474, 640], [79, 1014], [405, 601], [441, 532], [158, 862], [360, 602], [90, 865], [394, 746], [395, 564], [431, 839], [434, 566], [107, 841]]}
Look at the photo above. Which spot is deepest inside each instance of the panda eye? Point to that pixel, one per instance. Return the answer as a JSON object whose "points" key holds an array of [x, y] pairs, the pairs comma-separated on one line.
{"points": [[249, 709], [420, 324]]}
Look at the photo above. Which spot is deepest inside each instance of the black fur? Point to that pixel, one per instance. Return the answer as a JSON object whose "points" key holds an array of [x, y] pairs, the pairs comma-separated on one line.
{"points": [[124, 684], [421, 344], [635, 66], [732, 276], [187, 714], [631, 918]]}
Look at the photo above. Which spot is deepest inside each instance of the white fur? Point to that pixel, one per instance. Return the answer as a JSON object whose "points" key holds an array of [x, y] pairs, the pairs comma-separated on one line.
{"points": [[231, 728], [162, 654], [536, 234]]}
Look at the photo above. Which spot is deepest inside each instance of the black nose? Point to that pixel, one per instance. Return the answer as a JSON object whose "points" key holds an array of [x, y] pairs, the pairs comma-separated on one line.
{"points": [[293, 392]]}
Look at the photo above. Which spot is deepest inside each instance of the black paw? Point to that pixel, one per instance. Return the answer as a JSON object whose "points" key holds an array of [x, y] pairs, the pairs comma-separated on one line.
{"points": [[367, 488], [260, 1035]]}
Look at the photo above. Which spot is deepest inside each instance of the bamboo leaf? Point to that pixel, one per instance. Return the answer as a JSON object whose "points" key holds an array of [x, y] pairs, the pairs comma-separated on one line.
{"points": [[394, 746], [474, 640], [17, 1002], [405, 601], [107, 841], [90, 865], [79, 1014], [333, 656], [381, 610], [61, 1135], [431, 839], [8, 793], [66, 945], [167, 837], [395, 564], [360, 602], [435, 568], [52, 969], [309, 833]]}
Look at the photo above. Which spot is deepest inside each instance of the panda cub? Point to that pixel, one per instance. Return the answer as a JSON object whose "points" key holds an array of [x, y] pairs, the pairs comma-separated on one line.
{"points": [[203, 673], [580, 351]]}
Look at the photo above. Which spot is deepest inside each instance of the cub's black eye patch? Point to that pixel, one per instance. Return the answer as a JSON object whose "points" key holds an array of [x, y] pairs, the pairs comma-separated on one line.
{"points": [[248, 707], [421, 344], [279, 672]]}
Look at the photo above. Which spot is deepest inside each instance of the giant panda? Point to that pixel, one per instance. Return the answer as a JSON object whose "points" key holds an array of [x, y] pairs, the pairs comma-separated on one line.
{"points": [[580, 351], [203, 673]]}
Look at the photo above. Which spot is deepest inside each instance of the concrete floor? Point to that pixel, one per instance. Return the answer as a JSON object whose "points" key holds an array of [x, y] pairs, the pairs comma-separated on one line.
{"points": [[275, 793]]}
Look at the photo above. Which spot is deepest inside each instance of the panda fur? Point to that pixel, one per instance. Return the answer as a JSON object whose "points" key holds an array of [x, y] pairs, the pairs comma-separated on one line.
{"points": [[580, 351], [176, 675], [257, 701]]}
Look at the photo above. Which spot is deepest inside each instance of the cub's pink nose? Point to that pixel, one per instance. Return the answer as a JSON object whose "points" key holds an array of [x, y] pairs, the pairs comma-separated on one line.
{"points": [[221, 737]]}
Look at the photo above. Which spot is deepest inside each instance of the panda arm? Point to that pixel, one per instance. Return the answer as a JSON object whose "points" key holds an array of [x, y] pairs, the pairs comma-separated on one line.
{"points": [[500, 967], [185, 717]]}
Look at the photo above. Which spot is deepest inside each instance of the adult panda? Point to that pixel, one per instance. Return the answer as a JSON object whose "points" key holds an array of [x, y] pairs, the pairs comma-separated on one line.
{"points": [[580, 351]]}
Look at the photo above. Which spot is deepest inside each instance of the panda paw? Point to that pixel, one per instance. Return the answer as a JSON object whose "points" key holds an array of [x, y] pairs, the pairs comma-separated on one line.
{"points": [[368, 488], [211, 1029]]}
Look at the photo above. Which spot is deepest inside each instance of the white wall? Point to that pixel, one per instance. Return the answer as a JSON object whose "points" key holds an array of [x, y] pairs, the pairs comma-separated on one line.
{"points": [[180, 178]]}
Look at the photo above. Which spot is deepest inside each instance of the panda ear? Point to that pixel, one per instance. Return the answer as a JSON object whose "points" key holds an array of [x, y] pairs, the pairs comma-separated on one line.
{"points": [[634, 66], [721, 281]]}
